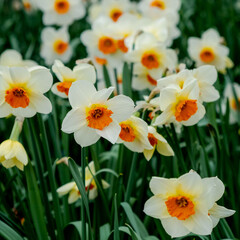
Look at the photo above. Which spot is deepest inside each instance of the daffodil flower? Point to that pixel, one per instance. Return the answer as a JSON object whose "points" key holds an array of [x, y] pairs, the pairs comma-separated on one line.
{"points": [[185, 204], [90, 186], [12, 153], [93, 115], [158, 142], [22, 89], [66, 76]]}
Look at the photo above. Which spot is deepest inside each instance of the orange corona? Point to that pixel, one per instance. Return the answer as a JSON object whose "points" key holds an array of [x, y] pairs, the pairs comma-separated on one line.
{"points": [[61, 6], [153, 141], [180, 207], [159, 4], [185, 109], [150, 60], [99, 117], [107, 45], [60, 46], [115, 14], [17, 97], [207, 55], [64, 87], [122, 46], [151, 80], [127, 133]]}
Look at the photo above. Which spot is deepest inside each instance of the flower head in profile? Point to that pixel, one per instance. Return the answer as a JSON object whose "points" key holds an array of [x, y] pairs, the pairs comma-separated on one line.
{"points": [[12, 58], [209, 50], [233, 104], [134, 134], [180, 105], [158, 142], [66, 76], [22, 89], [12, 153], [55, 45], [93, 115], [90, 186], [186, 203], [61, 12]]}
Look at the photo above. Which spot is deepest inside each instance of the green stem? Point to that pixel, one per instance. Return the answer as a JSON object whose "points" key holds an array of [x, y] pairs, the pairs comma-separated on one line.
{"points": [[83, 214], [56, 205], [17, 128]]}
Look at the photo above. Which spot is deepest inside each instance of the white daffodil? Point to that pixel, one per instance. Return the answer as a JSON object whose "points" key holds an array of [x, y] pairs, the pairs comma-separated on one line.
{"points": [[144, 78], [206, 76], [22, 89], [55, 45], [93, 115], [134, 134], [159, 142], [234, 106], [90, 186], [180, 106], [12, 58], [12, 153], [66, 76], [183, 204], [61, 12], [152, 54], [209, 50]]}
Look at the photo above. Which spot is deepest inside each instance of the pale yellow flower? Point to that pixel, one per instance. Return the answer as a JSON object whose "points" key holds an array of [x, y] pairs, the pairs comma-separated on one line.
{"points": [[12, 153]]}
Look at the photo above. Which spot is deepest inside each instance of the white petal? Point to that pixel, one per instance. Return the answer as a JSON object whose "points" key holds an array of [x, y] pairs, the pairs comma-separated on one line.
{"points": [[86, 72], [66, 188], [74, 120], [86, 136], [206, 73], [111, 132], [5, 110], [220, 211], [41, 103], [19, 74], [73, 196], [156, 207], [208, 93], [164, 149], [41, 79], [191, 183], [102, 95], [80, 93], [148, 153], [174, 227], [165, 117], [121, 106]]}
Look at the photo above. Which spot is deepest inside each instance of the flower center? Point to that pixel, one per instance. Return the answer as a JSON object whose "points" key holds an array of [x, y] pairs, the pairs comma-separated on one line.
{"points": [[151, 80], [149, 60], [101, 61], [185, 109], [153, 141], [180, 207], [207, 55], [64, 87], [127, 133], [17, 97], [61, 6], [90, 187], [115, 14], [159, 4], [99, 117], [27, 6], [60, 46], [107, 45], [122, 46]]}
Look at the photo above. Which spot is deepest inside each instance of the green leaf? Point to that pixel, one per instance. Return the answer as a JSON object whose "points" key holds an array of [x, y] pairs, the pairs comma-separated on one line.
{"points": [[105, 231], [116, 225], [8, 233], [126, 79]]}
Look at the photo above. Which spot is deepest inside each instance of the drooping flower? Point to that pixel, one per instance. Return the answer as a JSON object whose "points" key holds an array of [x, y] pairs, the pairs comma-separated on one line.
{"points": [[209, 50], [12, 58], [185, 203], [90, 186], [93, 115], [180, 106], [134, 134], [12, 153], [66, 76], [22, 89], [158, 142], [55, 45], [61, 12]]}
